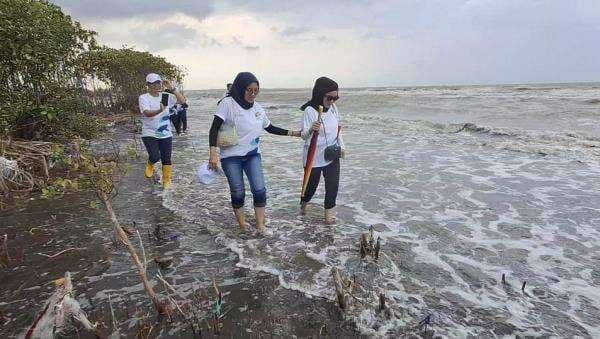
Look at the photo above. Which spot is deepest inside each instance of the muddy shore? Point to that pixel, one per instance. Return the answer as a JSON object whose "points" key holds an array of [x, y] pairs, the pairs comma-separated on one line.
{"points": [[37, 228]]}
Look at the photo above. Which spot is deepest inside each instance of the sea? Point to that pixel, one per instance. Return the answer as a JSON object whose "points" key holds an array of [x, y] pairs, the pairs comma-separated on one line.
{"points": [[485, 200]]}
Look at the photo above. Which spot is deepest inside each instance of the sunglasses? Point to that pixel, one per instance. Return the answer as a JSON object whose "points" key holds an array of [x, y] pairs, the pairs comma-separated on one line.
{"points": [[332, 98], [252, 91]]}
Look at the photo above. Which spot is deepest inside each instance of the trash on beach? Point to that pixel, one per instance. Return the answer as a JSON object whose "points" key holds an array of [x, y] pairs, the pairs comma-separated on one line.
{"points": [[59, 312], [8, 168], [208, 176]]}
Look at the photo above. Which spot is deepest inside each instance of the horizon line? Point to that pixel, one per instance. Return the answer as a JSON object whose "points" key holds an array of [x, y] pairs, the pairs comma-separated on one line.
{"points": [[425, 86]]}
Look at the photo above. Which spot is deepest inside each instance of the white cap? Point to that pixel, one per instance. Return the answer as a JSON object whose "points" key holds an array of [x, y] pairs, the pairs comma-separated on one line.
{"points": [[153, 77]]}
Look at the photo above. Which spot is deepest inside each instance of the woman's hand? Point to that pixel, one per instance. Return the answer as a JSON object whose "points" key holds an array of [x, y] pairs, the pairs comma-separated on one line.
{"points": [[296, 134], [213, 160], [316, 126], [343, 154], [168, 86]]}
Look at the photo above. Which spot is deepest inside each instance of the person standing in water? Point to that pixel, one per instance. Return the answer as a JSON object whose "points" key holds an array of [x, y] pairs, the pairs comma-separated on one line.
{"points": [[240, 109], [179, 118], [156, 126], [324, 93]]}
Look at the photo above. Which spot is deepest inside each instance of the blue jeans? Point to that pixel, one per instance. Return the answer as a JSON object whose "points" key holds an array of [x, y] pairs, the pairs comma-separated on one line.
{"points": [[250, 164]]}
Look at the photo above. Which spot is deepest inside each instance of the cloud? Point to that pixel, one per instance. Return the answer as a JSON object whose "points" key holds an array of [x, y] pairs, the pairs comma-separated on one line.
{"points": [[164, 36], [110, 9], [386, 42], [294, 31]]}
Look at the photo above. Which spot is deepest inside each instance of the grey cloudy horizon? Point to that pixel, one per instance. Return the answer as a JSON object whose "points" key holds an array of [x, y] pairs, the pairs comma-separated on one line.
{"points": [[288, 44]]}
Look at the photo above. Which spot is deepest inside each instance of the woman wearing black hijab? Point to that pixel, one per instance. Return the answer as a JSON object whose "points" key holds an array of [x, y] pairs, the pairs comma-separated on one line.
{"points": [[326, 162], [238, 109]]}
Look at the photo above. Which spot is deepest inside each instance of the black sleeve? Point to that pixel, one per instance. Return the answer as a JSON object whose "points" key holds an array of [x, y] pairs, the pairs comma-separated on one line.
{"points": [[214, 131], [276, 130]]}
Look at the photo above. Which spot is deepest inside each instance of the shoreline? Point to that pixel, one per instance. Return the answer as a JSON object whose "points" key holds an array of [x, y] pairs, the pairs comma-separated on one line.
{"points": [[37, 228]]}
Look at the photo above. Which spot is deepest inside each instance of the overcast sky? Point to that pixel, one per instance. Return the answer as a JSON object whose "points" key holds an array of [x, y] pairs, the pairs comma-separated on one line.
{"points": [[359, 43]]}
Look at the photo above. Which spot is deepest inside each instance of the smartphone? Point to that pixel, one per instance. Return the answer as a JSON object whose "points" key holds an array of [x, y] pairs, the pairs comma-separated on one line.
{"points": [[164, 100]]}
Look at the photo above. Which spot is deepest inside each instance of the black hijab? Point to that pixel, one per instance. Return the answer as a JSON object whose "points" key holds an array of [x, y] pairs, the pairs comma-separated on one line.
{"points": [[238, 89], [322, 86]]}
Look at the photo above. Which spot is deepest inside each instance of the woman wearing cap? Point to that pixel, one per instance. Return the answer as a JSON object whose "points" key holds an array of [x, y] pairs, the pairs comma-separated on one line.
{"points": [[156, 125], [324, 93], [239, 109]]}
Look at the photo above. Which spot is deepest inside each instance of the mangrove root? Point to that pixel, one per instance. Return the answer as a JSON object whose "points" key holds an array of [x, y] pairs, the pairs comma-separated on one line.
{"points": [[368, 245]]}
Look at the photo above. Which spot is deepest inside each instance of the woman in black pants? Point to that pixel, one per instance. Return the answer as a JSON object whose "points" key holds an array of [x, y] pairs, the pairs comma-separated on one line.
{"points": [[325, 93]]}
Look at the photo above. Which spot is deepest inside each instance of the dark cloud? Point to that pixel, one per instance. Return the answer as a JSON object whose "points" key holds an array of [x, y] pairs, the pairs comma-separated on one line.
{"points": [[168, 36], [111, 9]]}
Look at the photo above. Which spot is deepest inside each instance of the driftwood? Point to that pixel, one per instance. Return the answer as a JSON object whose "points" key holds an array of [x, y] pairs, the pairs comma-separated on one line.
{"points": [[369, 246], [60, 309], [339, 288], [31, 158], [61, 252], [162, 308]]}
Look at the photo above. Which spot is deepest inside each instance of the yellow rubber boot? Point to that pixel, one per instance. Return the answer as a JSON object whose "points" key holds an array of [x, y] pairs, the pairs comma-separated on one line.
{"points": [[149, 172], [167, 171]]}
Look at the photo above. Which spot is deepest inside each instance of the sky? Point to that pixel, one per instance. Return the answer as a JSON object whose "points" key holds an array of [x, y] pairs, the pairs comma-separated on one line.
{"points": [[358, 43]]}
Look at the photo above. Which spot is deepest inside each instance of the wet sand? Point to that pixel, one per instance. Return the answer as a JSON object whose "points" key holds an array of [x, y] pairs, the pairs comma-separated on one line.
{"points": [[38, 228]]}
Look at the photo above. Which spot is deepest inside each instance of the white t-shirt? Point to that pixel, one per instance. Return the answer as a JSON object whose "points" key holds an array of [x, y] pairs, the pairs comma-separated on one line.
{"points": [[327, 133], [250, 125], [158, 126]]}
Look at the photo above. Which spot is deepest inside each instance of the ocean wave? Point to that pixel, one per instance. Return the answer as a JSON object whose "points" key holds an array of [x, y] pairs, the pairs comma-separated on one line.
{"points": [[577, 146]]}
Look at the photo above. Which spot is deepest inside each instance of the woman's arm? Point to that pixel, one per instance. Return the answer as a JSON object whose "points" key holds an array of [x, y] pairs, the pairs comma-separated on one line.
{"points": [[309, 123], [145, 107], [181, 99], [152, 112], [214, 131], [280, 131], [340, 139], [213, 160]]}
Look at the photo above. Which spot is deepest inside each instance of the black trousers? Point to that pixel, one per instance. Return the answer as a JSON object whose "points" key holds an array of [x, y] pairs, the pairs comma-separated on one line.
{"points": [[183, 118], [331, 173], [176, 120], [158, 149]]}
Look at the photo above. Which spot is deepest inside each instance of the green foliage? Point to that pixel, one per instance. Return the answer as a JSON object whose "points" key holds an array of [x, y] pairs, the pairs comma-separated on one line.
{"points": [[50, 192], [49, 65], [39, 49], [125, 70]]}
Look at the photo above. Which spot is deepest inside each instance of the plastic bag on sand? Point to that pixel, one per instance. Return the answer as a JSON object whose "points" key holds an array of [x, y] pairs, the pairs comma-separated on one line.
{"points": [[8, 168], [207, 176]]}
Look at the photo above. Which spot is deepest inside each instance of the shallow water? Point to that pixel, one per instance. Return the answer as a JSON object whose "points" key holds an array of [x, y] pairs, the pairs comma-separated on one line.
{"points": [[256, 303], [463, 184]]}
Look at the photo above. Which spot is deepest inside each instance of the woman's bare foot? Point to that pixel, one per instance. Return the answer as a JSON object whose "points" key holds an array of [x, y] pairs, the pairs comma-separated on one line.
{"points": [[262, 230], [303, 207], [330, 216]]}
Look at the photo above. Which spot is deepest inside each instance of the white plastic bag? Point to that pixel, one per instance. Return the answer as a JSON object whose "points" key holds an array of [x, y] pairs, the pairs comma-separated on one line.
{"points": [[8, 168], [207, 176]]}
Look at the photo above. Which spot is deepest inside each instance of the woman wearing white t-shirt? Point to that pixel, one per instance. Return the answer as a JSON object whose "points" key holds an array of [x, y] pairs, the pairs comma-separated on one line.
{"points": [[156, 125], [239, 109], [325, 93]]}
